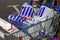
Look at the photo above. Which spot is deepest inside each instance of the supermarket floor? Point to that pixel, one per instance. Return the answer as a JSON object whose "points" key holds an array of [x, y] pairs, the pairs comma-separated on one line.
{"points": [[5, 11]]}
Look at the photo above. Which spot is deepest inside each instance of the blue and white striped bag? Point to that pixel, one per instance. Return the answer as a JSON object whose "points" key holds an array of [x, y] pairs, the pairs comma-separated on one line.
{"points": [[16, 18], [27, 11], [41, 12]]}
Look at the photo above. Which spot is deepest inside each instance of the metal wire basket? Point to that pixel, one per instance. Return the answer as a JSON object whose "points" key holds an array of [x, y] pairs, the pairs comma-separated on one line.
{"points": [[35, 31]]}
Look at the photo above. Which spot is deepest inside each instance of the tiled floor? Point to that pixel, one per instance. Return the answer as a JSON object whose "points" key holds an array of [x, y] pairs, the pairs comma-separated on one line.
{"points": [[4, 11]]}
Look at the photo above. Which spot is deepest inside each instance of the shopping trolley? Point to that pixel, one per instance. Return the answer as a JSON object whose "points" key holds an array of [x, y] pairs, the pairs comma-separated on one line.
{"points": [[34, 32]]}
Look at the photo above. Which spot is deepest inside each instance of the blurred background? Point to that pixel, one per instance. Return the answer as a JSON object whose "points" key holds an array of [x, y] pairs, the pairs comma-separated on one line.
{"points": [[4, 11]]}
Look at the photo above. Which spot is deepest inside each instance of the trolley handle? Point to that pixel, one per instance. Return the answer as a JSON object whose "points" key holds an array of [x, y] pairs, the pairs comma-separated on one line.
{"points": [[31, 2], [58, 7]]}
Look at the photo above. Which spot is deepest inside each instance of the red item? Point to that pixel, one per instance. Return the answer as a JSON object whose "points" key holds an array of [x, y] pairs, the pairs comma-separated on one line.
{"points": [[0, 27], [20, 38], [10, 28]]}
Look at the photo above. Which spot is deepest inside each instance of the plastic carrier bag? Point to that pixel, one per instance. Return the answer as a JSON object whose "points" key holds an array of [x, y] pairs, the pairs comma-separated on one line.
{"points": [[44, 28]]}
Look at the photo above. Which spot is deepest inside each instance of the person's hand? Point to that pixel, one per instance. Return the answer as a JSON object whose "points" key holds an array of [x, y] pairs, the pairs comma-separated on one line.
{"points": [[35, 0]]}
